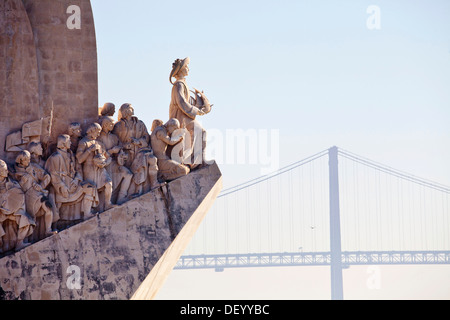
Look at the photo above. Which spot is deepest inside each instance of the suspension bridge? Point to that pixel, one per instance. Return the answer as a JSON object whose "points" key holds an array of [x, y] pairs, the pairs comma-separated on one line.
{"points": [[334, 209]]}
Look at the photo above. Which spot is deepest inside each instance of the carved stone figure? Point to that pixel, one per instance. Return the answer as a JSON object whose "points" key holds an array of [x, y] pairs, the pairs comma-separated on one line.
{"points": [[108, 109], [15, 223], [34, 180], [36, 151], [72, 194], [135, 139], [131, 131], [161, 137], [75, 136], [156, 123], [185, 108], [145, 172], [121, 175], [91, 154]]}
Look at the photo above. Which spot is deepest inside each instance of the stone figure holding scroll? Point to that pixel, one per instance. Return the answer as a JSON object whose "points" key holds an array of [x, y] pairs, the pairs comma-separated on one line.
{"points": [[186, 108], [68, 183], [15, 223]]}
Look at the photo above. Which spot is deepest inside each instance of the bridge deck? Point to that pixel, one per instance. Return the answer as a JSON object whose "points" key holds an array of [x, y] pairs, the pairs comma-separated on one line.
{"points": [[220, 262]]}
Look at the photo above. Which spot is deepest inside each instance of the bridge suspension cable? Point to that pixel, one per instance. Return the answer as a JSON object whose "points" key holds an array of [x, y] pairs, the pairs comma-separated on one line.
{"points": [[382, 210], [263, 178], [394, 172], [386, 209]]}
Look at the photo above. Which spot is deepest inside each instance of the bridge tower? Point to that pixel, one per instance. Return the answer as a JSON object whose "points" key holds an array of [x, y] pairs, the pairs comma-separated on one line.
{"points": [[337, 290]]}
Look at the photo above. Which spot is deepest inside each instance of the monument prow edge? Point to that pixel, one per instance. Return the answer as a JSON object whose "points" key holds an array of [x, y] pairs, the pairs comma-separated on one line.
{"points": [[122, 253]]}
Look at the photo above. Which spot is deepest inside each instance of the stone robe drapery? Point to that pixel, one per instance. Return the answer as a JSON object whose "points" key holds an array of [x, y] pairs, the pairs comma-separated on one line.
{"points": [[168, 169], [180, 108], [64, 170], [28, 178], [117, 172], [93, 174], [14, 219], [126, 130]]}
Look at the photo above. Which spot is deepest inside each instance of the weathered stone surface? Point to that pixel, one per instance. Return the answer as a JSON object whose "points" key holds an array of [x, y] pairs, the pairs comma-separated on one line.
{"points": [[45, 65], [124, 252], [66, 58], [19, 89]]}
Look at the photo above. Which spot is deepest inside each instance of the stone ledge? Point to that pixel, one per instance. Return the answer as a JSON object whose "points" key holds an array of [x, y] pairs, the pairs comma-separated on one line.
{"points": [[126, 252]]}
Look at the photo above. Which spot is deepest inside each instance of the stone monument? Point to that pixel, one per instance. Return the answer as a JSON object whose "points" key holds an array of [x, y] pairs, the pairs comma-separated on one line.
{"points": [[90, 208]]}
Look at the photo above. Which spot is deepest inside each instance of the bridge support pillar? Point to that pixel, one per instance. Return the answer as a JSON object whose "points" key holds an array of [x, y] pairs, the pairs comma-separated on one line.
{"points": [[337, 290]]}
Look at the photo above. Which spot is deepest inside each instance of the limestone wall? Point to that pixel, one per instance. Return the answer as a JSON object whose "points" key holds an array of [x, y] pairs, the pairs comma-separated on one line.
{"points": [[44, 65], [118, 253], [19, 86]]}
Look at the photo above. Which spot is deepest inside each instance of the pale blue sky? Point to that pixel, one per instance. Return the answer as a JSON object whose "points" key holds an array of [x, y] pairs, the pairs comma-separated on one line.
{"points": [[311, 69]]}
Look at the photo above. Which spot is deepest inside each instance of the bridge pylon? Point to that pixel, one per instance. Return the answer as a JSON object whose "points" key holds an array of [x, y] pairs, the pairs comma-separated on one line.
{"points": [[337, 290]]}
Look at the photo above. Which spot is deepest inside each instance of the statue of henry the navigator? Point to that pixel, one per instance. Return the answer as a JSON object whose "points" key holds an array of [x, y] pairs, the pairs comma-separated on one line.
{"points": [[185, 108]]}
